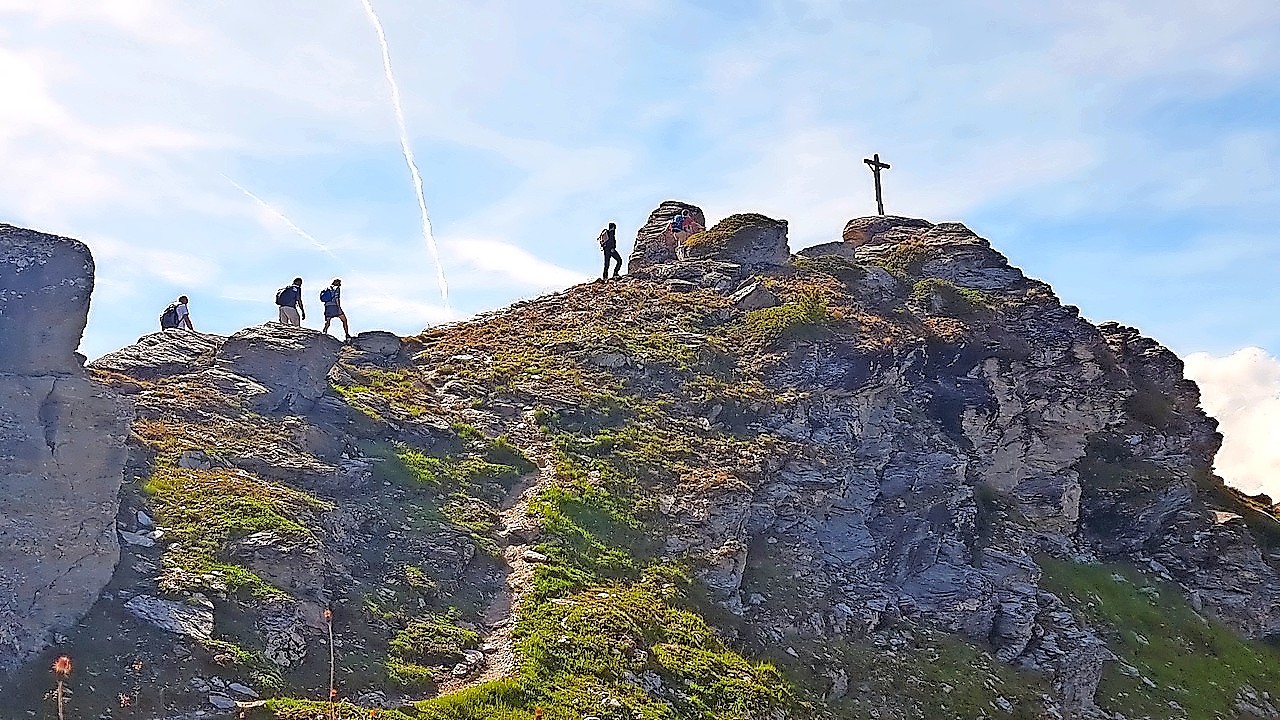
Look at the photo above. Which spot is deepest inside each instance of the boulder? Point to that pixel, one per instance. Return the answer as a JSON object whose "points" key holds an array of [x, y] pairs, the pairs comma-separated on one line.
{"points": [[194, 621], [654, 245], [161, 354], [45, 282], [879, 229], [750, 239], [754, 296], [292, 363], [378, 342], [62, 450]]}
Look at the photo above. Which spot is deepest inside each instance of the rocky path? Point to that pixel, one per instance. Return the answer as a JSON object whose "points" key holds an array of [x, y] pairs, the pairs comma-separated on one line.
{"points": [[518, 532]]}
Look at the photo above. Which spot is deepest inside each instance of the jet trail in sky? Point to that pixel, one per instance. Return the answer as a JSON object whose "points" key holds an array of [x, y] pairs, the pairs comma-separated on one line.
{"points": [[281, 217], [408, 151]]}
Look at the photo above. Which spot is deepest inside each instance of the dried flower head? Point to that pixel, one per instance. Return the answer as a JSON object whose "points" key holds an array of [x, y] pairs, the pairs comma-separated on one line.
{"points": [[62, 667], [537, 713], [125, 700], [328, 614], [333, 693]]}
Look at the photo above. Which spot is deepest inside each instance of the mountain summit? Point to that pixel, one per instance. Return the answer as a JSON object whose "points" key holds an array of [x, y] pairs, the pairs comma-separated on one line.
{"points": [[885, 477]]}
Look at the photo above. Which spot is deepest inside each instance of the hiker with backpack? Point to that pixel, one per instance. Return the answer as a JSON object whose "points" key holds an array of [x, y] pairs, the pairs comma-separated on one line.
{"points": [[332, 299], [176, 315], [608, 240], [289, 302], [683, 225]]}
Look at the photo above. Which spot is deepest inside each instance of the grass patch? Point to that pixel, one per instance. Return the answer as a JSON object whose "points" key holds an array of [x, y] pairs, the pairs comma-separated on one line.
{"points": [[840, 268], [717, 236], [264, 675], [497, 700], [1196, 667], [204, 510], [590, 643], [791, 320], [426, 649], [906, 259], [941, 296], [401, 389], [294, 709]]}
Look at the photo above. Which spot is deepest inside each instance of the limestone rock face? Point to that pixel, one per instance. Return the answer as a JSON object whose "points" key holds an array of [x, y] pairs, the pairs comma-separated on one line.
{"points": [[751, 240], [881, 228], [45, 282], [61, 446], [162, 354], [291, 363], [654, 245]]}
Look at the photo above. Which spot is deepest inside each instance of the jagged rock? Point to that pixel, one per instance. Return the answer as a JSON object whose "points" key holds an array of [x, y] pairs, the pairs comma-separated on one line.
{"points": [[195, 460], [654, 245], [180, 618], [293, 564], [222, 702], [754, 297], [750, 240], [162, 354], [138, 539], [293, 363], [880, 228], [45, 282], [282, 633], [242, 690], [378, 342], [61, 446]]}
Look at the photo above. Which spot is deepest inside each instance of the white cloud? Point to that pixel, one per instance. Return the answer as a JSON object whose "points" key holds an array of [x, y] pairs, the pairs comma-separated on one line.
{"points": [[516, 265], [1242, 390]]}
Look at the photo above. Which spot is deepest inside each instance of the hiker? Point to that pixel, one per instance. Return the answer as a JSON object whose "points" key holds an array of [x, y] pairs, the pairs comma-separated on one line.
{"points": [[289, 302], [332, 299], [176, 315], [609, 246], [684, 225]]}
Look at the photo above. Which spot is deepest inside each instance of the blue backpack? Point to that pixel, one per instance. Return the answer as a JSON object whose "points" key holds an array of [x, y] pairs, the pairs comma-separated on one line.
{"points": [[328, 295], [677, 223]]}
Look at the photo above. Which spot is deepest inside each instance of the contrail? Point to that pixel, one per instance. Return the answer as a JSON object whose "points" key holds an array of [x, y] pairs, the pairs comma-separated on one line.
{"points": [[408, 151], [281, 217]]}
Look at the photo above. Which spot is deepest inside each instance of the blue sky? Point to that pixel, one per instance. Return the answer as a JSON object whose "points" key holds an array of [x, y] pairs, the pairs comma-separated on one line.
{"points": [[1127, 152]]}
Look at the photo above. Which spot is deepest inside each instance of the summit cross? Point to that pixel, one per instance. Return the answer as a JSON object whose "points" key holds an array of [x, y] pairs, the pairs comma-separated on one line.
{"points": [[876, 167]]}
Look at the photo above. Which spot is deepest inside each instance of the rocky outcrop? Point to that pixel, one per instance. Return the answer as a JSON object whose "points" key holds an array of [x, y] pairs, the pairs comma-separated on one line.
{"points": [[45, 282], [162, 354], [881, 229], [654, 245], [61, 446], [870, 455], [750, 240], [291, 363]]}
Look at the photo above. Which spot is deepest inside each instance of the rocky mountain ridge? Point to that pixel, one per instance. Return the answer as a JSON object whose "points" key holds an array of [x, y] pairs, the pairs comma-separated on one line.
{"points": [[888, 476]]}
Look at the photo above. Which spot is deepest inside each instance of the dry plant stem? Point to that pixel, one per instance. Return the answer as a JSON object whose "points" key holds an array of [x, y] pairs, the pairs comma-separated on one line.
{"points": [[60, 713], [333, 690]]}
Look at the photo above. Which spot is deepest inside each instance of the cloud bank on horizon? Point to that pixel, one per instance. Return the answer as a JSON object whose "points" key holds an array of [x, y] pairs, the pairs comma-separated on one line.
{"points": [[1125, 152], [1242, 390]]}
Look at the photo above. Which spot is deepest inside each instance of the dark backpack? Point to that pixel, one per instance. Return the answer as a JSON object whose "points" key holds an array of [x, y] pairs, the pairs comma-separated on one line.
{"points": [[169, 318], [603, 238], [677, 223], [287, 296], [328, 295]]}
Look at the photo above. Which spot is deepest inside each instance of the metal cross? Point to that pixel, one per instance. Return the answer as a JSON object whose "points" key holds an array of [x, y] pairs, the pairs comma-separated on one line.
{"points": [[876, 167]]}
